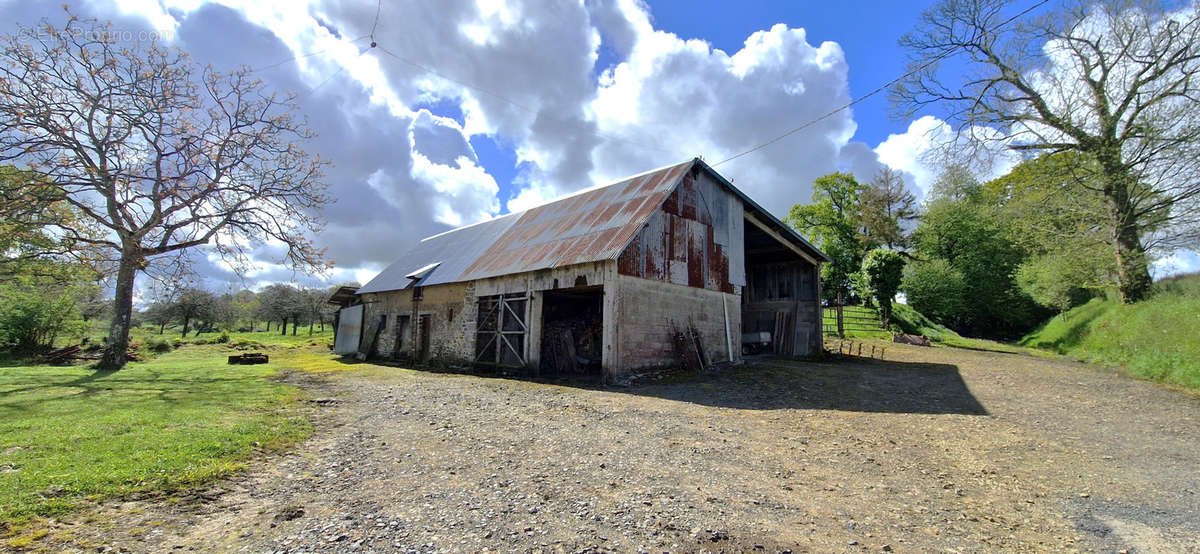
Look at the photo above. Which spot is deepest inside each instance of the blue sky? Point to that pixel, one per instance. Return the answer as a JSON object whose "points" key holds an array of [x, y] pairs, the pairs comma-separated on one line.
{"points": [[866, 30]]}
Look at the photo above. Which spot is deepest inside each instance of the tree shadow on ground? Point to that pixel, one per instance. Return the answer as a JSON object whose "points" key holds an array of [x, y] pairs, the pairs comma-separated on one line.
{"points": [[846, 385]]}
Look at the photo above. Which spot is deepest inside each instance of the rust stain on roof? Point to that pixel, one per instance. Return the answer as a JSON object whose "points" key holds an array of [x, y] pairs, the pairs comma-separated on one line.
{"points": [[590, 226]]}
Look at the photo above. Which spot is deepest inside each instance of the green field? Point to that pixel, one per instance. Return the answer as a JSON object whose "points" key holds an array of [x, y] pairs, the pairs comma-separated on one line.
{"points": [[1156, 339], [180, 418]]}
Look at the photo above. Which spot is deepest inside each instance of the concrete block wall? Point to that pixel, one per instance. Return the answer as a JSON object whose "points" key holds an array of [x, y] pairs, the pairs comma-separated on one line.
{"points": [[647, 309]]}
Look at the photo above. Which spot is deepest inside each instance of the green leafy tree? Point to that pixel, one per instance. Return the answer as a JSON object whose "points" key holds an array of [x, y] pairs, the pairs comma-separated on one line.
{"points": [[967, 231], [245, 305], [1117, 81], [1063, 225], [194, 305], [833, 222], [160, 314], [1054, 281], [882, 271], [282, 303], [36, 310], [936, 289], [33, 223]]}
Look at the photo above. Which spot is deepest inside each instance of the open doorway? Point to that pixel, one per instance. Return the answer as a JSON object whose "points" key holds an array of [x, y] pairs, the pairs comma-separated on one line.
{"points": [[423, 337], [780, 287], [572, 331]]}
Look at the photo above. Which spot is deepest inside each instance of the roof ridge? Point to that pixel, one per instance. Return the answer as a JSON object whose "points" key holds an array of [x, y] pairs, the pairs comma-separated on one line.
{"points": [[564, 197]]}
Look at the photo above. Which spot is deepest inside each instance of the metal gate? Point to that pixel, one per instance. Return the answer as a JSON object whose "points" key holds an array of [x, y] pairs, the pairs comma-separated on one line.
{"points": [[501, 326]]}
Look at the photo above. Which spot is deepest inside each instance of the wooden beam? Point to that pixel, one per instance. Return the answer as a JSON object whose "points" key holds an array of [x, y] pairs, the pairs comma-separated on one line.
{"points": [[779, 238]]}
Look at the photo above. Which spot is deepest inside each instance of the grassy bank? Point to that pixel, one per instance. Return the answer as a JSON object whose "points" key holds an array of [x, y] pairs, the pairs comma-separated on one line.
{"points": [[865, 325], [1155, 339], [70, 434]]}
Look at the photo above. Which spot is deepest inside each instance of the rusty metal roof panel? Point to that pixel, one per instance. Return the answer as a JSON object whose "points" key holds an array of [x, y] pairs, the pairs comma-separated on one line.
{"points": [[589, 226], [592, 225]]}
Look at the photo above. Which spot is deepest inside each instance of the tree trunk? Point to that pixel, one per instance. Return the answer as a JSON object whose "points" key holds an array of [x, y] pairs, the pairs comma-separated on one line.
{"points": [[1133, 269], [186, 321], [162, 328], [310, 328], [295, 322], [118, 332]]}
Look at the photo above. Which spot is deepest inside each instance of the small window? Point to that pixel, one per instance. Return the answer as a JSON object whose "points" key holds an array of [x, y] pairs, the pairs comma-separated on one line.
{"points": [[383, 322], [418, 293]]}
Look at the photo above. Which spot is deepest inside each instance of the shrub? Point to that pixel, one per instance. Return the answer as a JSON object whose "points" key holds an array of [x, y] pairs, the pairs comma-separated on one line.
{"points": [[246, 344], [160, 344]]}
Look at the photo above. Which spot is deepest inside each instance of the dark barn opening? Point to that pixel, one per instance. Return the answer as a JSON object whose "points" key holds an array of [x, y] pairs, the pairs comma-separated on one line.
{"points": [[572, 331], [778, 284]]}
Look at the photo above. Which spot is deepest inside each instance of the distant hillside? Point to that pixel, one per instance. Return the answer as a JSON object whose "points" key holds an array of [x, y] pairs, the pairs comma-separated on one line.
{"points": [[1157, 339], [861, 323]]}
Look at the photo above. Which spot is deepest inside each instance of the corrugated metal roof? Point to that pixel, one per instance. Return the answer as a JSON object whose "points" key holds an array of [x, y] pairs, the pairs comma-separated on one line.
{"points": [[455, 249], [592, 225]]}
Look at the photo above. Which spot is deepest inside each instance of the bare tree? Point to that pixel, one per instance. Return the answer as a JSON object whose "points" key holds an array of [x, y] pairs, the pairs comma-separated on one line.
{"points": [[1115, 80], [161, 154]]}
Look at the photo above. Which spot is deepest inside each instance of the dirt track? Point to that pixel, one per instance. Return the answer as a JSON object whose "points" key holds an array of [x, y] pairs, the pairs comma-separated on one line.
{"points": [[934, 449]]}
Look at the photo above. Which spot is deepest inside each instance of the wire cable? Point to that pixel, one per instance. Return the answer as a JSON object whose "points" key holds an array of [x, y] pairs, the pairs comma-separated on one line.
{"points": [[378, 9], [881, 88], [301, 56]]}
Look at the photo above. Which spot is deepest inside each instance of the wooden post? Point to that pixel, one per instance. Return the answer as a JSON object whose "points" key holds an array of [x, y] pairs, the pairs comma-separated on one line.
{"points": [[841, 326]]}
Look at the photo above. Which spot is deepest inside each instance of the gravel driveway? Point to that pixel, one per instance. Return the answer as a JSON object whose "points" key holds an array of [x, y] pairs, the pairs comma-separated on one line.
{"points": [[935, 449]]}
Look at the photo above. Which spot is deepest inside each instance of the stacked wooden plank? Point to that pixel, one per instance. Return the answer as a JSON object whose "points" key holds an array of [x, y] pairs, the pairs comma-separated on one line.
{"points": [[784, 335], [63, 355]]}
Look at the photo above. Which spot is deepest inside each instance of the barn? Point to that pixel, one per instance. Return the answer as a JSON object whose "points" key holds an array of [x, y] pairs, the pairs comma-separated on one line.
{"points": [[671, 267]]}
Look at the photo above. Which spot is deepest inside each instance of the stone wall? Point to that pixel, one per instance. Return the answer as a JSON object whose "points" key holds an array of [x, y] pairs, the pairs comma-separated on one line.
{"points": [[451, 310]]}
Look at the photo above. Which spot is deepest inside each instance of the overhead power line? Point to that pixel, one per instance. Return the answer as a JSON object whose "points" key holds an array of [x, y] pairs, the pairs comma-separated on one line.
{"points": [[299, 57], [881, 88]]}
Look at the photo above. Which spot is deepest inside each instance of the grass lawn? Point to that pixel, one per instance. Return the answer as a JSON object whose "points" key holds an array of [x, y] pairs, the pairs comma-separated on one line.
{"points": [[1156, 339], [858, 324], [70, 434]]}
